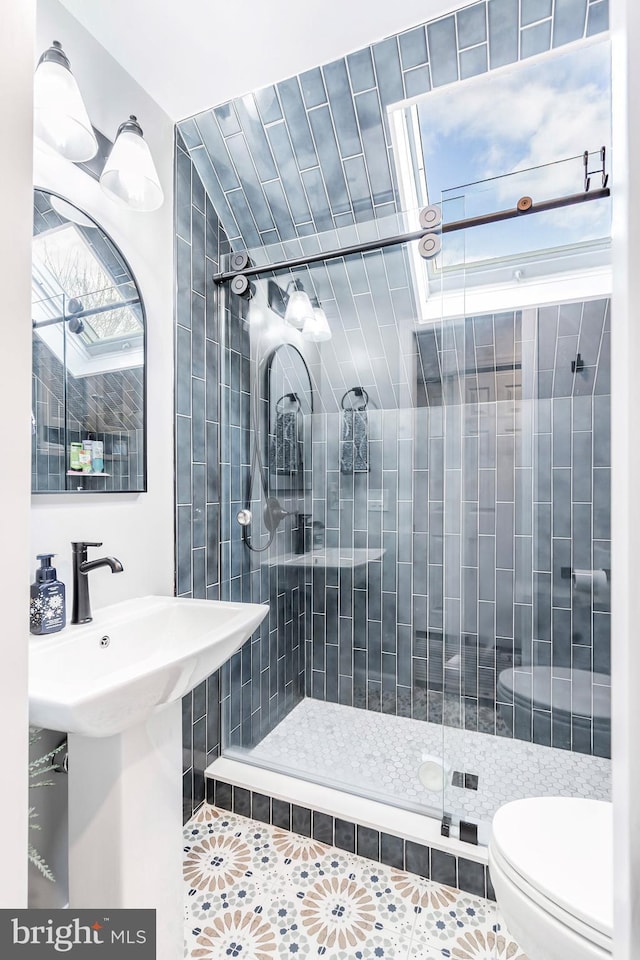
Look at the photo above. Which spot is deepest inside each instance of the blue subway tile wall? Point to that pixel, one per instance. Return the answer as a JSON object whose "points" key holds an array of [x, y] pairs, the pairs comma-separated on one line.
{"points": [[291, 159], [474, 506], [48, 458], [198, 238], [63, 406], [265, 679]]}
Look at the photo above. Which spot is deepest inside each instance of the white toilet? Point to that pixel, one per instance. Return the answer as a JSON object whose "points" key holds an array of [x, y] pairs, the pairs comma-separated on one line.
{"points": [[581, 702], [551, 864]]}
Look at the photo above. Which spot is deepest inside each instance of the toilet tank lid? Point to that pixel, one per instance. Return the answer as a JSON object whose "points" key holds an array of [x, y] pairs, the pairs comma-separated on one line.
{"points": [[577, 692], [562, 847]]}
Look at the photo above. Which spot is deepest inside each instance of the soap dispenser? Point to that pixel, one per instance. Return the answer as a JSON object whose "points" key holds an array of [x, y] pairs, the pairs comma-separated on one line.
{"points": [[47, 609]]}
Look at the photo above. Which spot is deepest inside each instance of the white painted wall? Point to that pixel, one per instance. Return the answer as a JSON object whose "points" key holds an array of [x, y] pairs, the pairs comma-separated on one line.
{"points": [[16, 90], [626, 476], [136, 528], [198, 53]]}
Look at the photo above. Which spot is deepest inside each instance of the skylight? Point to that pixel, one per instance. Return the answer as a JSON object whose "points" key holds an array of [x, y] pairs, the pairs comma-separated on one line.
{"points": [[477, 146]]}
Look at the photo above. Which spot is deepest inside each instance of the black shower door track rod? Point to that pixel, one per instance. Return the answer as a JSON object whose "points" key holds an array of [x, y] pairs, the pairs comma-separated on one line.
{"points": [[89, 312], [455, 225]]}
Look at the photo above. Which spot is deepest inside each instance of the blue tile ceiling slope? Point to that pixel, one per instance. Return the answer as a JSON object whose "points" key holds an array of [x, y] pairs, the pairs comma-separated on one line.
{"points": [[314, 152]]}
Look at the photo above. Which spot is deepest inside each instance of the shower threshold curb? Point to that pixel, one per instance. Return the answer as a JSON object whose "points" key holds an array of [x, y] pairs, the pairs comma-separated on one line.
{"points": [[384, 833]]}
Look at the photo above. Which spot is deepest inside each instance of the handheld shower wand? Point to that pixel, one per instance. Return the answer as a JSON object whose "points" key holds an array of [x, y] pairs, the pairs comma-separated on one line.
{"points": [[273, 516]]}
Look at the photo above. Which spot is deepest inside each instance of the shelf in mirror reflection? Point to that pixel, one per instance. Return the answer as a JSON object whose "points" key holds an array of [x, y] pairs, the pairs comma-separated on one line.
{"points": [[83, 473], [333, 557]]}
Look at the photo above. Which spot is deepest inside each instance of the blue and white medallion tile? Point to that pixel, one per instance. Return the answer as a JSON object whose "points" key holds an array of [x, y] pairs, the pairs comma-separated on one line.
{"points": [[256, 892]]}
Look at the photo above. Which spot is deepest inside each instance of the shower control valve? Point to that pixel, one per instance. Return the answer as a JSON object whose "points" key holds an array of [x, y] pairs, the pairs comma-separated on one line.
{"points": [[244, 517]]}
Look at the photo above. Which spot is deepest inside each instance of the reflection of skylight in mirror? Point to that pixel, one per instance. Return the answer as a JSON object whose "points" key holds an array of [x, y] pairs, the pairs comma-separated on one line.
{"points": [[64, 265]]}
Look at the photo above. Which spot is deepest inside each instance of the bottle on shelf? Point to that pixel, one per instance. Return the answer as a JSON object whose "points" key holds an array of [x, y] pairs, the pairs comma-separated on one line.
{"points": [[97, 454], [74, 456], [87, 448]]}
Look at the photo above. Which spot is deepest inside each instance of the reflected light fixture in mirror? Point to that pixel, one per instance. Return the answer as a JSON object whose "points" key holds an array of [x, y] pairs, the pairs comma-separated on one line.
{"points": [[129, 176], [61, 121], [68, 212], [299, 309], [316, 328]]}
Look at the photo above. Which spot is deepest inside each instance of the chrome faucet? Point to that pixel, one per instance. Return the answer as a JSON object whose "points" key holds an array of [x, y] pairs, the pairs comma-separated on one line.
{"points": [[81, 612]]}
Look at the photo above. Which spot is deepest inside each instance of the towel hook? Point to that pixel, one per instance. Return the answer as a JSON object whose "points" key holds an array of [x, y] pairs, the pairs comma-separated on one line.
{"points": [[357, 392]]}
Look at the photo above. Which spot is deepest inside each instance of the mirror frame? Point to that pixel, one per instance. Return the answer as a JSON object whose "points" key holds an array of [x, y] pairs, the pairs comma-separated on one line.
{"points": [[125, 261]]}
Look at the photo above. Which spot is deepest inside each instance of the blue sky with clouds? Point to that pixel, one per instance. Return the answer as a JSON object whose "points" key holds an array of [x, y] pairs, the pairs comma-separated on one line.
{"points": [[529, 114]]}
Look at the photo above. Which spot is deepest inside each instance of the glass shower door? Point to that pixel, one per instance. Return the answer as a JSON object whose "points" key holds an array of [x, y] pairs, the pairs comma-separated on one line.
{"points": [[524, 351], [353, 559]]}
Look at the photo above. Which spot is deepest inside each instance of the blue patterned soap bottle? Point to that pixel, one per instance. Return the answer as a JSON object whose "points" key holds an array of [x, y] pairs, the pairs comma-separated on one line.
{"points": [[47, 612]]}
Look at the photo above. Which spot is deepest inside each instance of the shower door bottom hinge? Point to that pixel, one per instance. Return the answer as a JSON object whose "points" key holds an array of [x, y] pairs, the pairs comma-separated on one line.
{"points": [[465, 831], [468, 832]]}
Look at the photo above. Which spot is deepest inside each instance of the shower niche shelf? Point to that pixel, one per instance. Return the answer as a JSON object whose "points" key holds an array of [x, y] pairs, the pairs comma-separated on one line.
{"points": [[328, 558]]}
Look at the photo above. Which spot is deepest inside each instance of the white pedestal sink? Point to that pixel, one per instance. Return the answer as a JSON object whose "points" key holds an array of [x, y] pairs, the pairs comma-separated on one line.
{"points": [[115, 686]]}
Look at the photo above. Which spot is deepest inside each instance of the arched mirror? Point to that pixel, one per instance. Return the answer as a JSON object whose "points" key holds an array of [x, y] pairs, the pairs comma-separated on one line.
{"points": [[88, 374], [290, 406]]}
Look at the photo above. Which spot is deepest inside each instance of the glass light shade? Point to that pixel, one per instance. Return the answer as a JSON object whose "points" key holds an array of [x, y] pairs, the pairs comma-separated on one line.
{"points": [[61, 121], [129, 176], [317, 327], [299, 309], [68, 212]]}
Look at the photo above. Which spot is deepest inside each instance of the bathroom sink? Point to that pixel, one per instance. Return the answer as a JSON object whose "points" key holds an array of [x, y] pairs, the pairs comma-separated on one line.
{"points": [[109, 675], [115, 686]]}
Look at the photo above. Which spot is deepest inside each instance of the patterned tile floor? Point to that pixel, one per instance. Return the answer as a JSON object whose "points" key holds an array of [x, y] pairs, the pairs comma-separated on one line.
{"points": [[255, 892], [378, 755]]}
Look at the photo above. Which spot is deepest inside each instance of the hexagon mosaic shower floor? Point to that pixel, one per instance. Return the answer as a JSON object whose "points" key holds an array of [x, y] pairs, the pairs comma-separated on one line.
{"points": [[255, 892]]}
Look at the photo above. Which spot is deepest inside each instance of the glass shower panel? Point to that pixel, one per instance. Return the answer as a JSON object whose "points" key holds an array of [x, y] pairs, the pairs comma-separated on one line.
{"points": [[339, 458], [524, 346], [428, 491]]}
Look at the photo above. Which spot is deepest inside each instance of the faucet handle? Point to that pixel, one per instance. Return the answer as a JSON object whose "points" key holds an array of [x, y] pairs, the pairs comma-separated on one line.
{"points": [[83, 544]]}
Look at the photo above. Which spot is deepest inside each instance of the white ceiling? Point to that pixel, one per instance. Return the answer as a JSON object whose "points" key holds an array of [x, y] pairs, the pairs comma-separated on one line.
{"points": [[193, 54]]}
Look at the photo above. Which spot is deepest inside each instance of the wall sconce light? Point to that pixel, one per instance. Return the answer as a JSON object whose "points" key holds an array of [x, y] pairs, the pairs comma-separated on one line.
{"points": [[299, 309], [316, 328], [61, 119], [129, 176], [62, 124]]}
